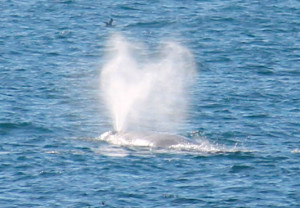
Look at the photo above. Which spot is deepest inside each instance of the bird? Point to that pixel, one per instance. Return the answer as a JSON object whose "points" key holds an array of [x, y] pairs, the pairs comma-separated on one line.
{"points": [[109, 23]]}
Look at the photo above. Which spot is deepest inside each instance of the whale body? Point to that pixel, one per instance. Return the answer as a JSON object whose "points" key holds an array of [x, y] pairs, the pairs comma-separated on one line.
{"points": [[146, 139]]}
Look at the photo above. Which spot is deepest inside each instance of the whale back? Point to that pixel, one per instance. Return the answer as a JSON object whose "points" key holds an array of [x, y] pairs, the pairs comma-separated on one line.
{"points": [[150, 139]]}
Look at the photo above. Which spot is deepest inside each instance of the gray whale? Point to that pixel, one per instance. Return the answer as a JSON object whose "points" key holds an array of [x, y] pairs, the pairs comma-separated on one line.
{"points": [[146, 139]]}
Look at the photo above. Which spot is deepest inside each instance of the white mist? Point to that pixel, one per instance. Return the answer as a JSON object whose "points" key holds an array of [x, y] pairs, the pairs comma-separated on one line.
{"points": [[147, 93]]}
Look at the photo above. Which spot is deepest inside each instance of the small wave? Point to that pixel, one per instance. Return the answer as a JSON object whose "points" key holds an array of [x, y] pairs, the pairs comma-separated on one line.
{"points": [[295, 151], [7, 127], [111, 151], [128, 8], [152, 24], [53, 152], [240, 168], [4, 152]]}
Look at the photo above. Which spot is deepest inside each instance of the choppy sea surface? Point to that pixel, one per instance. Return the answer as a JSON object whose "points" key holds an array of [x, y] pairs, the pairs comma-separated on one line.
{"points": [[245, 105]]}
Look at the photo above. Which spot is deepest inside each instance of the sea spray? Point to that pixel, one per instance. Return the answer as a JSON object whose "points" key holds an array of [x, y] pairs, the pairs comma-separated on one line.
{"points": [[146, 92]]}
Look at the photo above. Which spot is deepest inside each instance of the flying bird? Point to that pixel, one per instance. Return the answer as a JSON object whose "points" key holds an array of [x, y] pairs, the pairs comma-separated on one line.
{"points": [[109, 23]]}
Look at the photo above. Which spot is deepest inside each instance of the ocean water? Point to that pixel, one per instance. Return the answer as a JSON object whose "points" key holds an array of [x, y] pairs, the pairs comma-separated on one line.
{"points": [[245, 105]]}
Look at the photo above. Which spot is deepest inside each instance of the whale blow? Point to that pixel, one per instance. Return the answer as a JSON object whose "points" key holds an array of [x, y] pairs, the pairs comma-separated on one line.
{"points": [[147, 91]]}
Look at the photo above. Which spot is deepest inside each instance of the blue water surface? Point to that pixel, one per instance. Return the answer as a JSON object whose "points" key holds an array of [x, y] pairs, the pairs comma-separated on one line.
{"points": [[246, 99]]}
